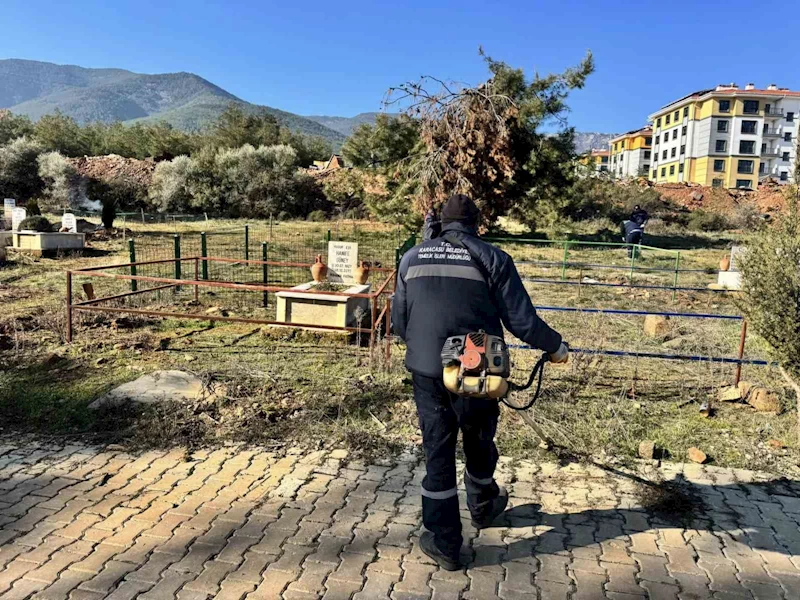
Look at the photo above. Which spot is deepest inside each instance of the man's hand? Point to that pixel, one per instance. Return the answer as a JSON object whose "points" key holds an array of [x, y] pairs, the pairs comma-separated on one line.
{"points": [[561, 355]]}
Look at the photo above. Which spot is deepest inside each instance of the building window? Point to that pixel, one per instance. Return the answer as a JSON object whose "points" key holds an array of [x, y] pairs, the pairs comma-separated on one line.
{"points": [[750, 107], [648, 141], [748, 126], [672, 169], [683, 130], [743, 183], [604, 159], [683, 149], [716, 183], [674, 151], [680, 168], [647, 154], [685, 111], [784, 175], [722, 125], [787, 137], [658, 122], [785, 157], [663, 171], [655, 173], [657, 139], [722, 145], [677, 115], [724, 106], [666, 120], [675, 134], [664, 155], [790, 116], [745, 166], [719, 166], [747, 147]]}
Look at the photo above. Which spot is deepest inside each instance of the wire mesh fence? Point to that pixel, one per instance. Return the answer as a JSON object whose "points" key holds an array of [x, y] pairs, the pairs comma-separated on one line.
{"points": [[267, 240]]}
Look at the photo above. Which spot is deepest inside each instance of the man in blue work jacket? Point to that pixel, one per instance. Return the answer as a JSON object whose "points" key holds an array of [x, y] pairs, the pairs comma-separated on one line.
{"points": [[445, 290]]}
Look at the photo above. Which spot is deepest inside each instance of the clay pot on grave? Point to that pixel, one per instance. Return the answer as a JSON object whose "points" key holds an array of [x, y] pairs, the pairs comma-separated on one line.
{"points": [[361, 273], [319, 270], [725, 263]]}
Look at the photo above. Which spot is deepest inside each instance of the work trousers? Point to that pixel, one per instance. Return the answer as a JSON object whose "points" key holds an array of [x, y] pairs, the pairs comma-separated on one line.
{"points": [[634, 237], [441, 415]]}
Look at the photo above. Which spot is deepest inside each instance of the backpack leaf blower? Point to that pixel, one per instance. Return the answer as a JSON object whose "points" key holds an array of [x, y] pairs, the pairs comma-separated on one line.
{"points": [[478, 365]]}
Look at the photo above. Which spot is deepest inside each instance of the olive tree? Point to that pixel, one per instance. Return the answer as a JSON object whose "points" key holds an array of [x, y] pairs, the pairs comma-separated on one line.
{"points": [[770, 295]]}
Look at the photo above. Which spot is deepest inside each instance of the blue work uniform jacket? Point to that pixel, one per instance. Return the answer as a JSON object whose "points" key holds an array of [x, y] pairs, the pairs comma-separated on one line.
{"points": [[445, 289]]}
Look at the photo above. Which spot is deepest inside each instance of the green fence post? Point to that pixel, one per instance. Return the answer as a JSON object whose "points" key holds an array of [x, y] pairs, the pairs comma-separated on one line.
{"points": [[564, 261], [177, 258], [677, 270], [396, 259], [265, 270], [247, 242], [328, 236], [204, 254], [132, 251]]}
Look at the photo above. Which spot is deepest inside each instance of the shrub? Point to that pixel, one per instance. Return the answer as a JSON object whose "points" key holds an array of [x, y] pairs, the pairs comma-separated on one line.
{"points": [[317, 216], [707, 221], [19, 171], [63, 187], [169, 188], [283, 216], [36, 223], [32, 208], [770, 294]]}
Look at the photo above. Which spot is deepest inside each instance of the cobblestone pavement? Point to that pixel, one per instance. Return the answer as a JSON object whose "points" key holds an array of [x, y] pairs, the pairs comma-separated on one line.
{"points": [[86, 522]]}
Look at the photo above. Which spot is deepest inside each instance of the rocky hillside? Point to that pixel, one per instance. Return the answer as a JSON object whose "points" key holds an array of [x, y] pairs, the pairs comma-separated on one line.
{"points": [[587, 140]]}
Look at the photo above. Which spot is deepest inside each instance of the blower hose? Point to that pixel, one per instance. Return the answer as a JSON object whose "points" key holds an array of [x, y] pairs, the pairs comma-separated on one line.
{"points": [[538, 371]]}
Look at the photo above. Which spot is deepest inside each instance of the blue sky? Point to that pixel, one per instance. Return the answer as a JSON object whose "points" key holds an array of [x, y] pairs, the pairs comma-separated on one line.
{"points": [[338, 58]]}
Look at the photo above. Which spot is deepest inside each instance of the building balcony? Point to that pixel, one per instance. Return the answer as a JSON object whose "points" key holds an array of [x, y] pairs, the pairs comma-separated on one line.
{"points": [[770, 133], [769, 154], [773, 113]]}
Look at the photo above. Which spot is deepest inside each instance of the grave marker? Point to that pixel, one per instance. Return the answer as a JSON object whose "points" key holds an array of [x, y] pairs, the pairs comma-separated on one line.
{"points": [[736, 254], [342, 261], [18, 215], [69, 223], [9, 204]]}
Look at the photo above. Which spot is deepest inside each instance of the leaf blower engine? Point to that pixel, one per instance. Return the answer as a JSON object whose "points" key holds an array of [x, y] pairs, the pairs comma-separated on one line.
{"points": [[478, 365]]}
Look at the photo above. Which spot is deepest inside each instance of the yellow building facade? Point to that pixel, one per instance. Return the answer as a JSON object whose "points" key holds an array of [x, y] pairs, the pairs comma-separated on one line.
{"points": [[726, 137]]}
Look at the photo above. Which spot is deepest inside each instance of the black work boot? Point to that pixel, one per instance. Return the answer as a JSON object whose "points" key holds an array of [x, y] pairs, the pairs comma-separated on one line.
{"points": [[428, 545], [495, 508]]}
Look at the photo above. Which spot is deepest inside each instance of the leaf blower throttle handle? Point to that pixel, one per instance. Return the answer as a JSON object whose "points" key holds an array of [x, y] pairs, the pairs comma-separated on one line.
{"points": [[560, 356]]}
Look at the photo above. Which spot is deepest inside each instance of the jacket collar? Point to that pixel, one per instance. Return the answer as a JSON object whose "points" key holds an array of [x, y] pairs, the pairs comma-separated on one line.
{"points": [[457, 227]]}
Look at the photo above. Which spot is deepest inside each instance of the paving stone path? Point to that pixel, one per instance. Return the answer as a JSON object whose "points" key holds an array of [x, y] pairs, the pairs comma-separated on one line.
{"points": [[86, 522]]}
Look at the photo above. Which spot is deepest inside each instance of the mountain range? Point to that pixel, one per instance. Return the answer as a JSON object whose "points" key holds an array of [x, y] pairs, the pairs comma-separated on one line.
{"points": [[185, 100]]}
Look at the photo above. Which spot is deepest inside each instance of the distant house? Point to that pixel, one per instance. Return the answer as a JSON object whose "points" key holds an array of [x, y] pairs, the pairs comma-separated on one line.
{"points": [[333, 163], [596, 160]]}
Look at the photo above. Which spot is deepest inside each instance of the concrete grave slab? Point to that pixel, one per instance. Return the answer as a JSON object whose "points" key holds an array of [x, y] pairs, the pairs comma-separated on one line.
{"points": [[159, 386]]}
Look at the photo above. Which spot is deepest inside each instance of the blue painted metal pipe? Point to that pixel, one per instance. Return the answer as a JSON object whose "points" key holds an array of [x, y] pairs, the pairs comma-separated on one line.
{"points": [[616, 311], [687, 357]]}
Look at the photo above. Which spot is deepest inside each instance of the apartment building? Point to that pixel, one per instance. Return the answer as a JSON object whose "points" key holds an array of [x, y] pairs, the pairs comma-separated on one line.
{"points": [[631, 153], [596, 160], [727, 137]]}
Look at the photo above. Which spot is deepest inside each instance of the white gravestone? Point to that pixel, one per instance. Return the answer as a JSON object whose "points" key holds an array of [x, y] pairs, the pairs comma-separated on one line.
{"points": [[69, 223], [342, 261], [736, 253], [18, 215], [9, 204]]}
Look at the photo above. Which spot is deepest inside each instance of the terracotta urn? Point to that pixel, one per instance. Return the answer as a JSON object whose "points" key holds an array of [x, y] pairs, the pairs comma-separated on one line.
{"points": [[361, 273], [319, 270], [725, 263]]}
